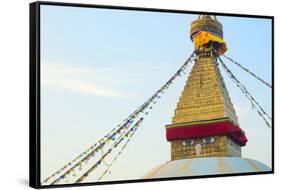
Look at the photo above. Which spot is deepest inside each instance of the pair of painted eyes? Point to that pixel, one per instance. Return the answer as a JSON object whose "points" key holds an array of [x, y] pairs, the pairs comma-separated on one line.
{"points": [[206, 140]]}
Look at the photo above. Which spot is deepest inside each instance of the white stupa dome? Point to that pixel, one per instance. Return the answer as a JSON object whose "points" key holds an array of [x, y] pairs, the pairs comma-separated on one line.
{"points": [[206, 166]]}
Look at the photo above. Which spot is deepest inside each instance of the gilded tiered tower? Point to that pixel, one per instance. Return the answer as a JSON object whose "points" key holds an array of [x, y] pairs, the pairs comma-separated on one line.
{"points": [[204, 134], [205, 123]]}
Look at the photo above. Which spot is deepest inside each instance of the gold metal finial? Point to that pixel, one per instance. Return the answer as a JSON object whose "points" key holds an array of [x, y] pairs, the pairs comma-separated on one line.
{"points": [[207, 16]]}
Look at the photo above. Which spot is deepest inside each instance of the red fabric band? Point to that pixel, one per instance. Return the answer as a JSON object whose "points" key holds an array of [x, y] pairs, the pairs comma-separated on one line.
{"points": [[204, 130]]}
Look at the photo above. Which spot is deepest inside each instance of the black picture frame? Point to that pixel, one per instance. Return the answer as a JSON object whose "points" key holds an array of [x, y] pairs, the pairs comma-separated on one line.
{"points": [[34, 91]]}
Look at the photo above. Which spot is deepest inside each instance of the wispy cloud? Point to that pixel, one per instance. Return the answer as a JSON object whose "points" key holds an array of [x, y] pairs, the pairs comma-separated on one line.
{"points": [[77, 79]]}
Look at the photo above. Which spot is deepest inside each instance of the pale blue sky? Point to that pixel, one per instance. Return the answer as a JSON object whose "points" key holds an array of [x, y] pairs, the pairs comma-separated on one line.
{"points": [[99, 65]]}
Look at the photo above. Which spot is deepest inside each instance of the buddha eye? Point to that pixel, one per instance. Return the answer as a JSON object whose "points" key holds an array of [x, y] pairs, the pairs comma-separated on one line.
{"points": [[208, 140], [187, 143]]}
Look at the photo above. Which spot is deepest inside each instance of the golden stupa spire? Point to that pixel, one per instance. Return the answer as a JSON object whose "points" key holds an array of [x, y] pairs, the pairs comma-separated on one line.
{"points": [[205, 122]]}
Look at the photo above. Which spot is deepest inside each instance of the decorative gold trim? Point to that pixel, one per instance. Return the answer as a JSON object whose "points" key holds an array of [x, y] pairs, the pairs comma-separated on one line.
{"points": [[198, 122]]}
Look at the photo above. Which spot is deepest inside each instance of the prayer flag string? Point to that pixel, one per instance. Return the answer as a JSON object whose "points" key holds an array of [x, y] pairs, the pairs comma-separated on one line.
{"points": [[127, 134], [118, 130], [120, 151], [254, 103], [248, 71]]}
